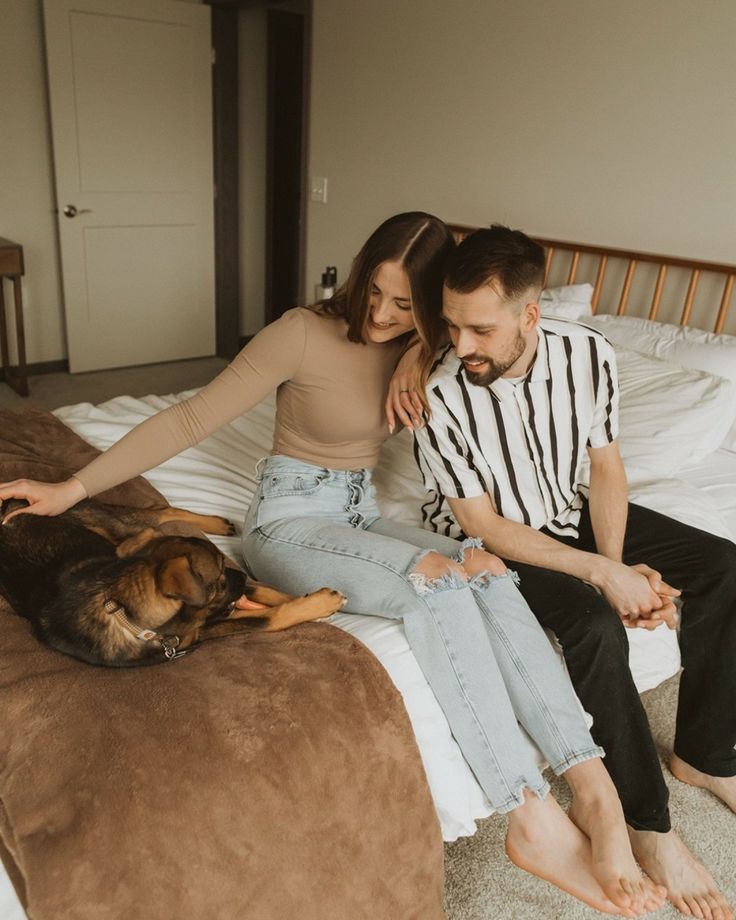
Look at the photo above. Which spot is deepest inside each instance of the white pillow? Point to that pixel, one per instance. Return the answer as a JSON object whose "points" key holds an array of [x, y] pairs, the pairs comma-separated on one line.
{"points": [[680, 345], [570, 301], [669, 417]]}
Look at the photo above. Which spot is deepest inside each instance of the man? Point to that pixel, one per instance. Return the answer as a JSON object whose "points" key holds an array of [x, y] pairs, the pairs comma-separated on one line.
{"points": [[516, 405]]}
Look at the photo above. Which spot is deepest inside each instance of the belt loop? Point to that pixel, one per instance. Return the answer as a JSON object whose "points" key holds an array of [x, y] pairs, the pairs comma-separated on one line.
{"points": [[259, 468]]}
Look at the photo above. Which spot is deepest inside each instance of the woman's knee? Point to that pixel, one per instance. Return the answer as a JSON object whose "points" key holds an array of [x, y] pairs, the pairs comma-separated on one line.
{"points": [[432, 569], [478, 561]]}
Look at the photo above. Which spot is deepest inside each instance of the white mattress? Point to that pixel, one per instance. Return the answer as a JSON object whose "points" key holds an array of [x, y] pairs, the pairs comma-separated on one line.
{"points": [[218, 477]]}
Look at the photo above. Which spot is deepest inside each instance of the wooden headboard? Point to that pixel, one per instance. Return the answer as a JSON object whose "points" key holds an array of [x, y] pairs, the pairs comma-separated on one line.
{"points": [[703, 289]]}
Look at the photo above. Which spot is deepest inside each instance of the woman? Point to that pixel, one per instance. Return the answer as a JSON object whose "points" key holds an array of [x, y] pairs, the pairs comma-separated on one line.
{"points": [[314, 521]]}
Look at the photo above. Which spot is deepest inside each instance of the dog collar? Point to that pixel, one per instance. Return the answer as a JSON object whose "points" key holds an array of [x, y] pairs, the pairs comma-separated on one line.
{"points": [[169, 644]]}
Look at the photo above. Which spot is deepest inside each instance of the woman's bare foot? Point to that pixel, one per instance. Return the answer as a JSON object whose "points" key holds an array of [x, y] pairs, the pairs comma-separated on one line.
{"points": [[724, 787], [596, 810], [690, 887], [542, 840]]}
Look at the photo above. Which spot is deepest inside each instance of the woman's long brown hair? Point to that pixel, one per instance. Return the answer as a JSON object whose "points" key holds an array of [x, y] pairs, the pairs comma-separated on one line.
{"points": [[422, 244]]}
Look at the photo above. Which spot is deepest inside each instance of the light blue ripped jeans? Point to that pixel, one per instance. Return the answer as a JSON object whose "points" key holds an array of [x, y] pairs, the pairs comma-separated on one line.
{"points": [[481, 649]]}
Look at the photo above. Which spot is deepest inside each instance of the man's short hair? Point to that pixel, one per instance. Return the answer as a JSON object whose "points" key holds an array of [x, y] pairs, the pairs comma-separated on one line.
{"points": [[497, 254]]}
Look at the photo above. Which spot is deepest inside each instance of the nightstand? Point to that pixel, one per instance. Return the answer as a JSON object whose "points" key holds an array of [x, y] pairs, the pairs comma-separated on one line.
{"points": [[11, 266]]}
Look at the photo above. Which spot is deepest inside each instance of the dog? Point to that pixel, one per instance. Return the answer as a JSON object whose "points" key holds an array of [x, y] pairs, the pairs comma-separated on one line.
{"points": [[102, 583]]}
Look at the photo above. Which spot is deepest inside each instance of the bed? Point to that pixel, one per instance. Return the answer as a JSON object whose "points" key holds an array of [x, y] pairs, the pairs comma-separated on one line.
{"points": [[678, 439]]}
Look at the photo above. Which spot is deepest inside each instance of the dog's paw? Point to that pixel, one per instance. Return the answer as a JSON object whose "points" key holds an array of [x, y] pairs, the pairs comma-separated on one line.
{"points": [[219, 526], [335, 600]]}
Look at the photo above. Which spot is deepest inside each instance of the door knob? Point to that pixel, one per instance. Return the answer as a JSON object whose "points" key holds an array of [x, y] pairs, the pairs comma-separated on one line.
{"points": [[71, 211]]}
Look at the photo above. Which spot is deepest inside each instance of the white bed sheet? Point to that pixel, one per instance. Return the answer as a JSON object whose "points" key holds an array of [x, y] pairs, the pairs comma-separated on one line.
{"points": [[715, 476]]}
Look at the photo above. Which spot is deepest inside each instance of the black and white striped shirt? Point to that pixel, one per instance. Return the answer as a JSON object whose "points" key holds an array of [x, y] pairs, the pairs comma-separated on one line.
{"points": [[524, 441]]}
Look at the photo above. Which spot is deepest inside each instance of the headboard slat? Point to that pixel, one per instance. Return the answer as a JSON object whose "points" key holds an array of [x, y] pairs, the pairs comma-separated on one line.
{"points": [[598, 287], [547, 263], [690, 296], [573, 267], [661, 274], [725, 304], [626, 290]]}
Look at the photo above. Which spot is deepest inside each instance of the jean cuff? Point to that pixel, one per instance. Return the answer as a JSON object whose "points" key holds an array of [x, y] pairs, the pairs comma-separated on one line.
{"points": [[573, 759], [516, 800]]}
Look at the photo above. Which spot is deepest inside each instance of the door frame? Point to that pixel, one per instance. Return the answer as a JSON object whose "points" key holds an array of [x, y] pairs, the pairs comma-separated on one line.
{"points": [[227, 157]]}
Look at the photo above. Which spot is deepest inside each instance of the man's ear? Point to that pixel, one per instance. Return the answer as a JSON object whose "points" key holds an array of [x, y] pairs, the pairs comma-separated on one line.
{"points": [[530, 314], [176, 579]]}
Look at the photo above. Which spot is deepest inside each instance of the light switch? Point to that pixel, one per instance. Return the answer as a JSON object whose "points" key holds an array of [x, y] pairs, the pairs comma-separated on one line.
{"points": [[319, 189]]}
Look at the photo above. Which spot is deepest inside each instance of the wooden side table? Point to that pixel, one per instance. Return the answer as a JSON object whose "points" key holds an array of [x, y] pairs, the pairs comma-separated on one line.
{"points": [[11, 266]]}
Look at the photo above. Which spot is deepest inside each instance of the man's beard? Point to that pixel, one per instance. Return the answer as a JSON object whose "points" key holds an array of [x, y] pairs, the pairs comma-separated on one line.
{"points": [[495, 369]]}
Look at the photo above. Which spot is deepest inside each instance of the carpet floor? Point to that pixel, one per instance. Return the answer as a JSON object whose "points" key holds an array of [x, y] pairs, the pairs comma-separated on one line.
{"points": [[481, 883]]}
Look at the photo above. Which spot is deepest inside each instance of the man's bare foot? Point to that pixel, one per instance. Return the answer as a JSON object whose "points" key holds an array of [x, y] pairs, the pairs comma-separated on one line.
{"points": [[724, 787], [542, 840], [613, 862], [690, 887]]}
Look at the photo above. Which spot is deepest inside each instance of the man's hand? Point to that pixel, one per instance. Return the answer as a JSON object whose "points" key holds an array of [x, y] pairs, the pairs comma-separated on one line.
{"points": [[667, 613], [402, 400], [629, 591]]}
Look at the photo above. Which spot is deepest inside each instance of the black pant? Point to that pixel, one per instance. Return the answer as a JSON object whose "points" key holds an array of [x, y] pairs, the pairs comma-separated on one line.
{"points": [[595, 646]]}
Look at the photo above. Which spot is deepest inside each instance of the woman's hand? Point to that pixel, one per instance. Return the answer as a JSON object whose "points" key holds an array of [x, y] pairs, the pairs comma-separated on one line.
{"points": [[45, 498], [402, 399]]}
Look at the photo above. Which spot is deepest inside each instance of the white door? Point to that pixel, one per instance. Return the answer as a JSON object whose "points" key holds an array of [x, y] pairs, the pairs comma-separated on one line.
{"points": [[131, 117]]}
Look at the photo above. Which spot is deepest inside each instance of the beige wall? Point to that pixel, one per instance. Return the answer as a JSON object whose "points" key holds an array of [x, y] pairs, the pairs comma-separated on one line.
{"points": [[26, 185], [607, 121]]}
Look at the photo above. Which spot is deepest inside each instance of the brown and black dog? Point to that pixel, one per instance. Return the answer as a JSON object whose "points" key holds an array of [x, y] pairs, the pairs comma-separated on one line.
{"points": [[100, 583]]}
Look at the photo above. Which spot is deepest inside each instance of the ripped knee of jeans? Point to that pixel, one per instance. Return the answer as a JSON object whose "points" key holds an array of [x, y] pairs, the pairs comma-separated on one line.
{"points": [[467, 547], [482, 566], [442, 574]]}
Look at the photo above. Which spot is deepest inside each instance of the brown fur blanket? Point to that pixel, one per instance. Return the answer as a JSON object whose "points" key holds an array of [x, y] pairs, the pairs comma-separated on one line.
{"points": [[268, 776]]}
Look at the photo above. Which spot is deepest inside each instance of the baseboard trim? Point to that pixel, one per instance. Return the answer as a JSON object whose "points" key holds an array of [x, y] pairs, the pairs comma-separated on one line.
{"points": [[42, 367], [62, 365]]}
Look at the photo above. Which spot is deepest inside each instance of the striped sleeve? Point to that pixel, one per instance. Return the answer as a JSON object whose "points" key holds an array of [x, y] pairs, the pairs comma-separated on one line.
{"points": [[604, 428], [446, 462]]}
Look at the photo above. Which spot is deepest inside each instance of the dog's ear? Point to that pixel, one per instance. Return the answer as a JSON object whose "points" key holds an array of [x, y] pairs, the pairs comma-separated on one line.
{"points": [[176, 579], [134, 543]]}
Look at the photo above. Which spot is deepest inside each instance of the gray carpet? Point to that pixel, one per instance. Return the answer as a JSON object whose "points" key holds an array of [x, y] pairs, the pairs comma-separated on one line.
{"points": [[481, 884]]}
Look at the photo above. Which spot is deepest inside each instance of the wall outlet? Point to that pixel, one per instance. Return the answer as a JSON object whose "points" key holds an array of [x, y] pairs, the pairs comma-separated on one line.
{"points": [[318, 190]]}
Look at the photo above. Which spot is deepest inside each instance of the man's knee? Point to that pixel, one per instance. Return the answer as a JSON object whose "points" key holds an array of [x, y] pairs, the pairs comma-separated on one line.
{"points": [[721, 558], [596, 625]]}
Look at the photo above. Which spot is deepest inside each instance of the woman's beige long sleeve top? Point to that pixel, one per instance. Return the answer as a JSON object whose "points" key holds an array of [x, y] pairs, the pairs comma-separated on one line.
{"points": [[329, 404]]}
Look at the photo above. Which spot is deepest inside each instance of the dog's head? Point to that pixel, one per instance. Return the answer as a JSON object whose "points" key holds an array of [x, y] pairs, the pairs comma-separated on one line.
{"points": [[186, 578]]}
